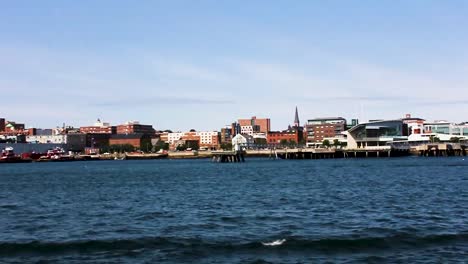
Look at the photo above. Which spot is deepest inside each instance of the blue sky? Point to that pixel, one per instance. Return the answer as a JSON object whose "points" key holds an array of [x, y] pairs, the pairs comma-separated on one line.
{"points": [[203, 64]]}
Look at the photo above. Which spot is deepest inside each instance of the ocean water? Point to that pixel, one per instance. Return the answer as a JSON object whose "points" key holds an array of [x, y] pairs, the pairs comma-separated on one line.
{"points": [[387, 210]]}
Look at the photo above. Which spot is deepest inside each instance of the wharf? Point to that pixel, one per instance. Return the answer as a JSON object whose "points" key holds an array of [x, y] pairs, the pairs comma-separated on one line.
{"points": [[228, 156], [330, 153], [440, 149]]}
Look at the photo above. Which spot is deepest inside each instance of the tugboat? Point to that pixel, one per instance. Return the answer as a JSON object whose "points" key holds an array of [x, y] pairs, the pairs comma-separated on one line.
{"points": [[8, 156], [56, 154]]}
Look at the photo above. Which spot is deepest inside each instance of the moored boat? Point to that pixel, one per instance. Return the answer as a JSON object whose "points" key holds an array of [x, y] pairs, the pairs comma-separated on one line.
{"points": [[9, 156]]}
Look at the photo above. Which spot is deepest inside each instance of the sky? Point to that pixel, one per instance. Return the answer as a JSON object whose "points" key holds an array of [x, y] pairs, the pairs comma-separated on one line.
{"points": [[204, 64]]}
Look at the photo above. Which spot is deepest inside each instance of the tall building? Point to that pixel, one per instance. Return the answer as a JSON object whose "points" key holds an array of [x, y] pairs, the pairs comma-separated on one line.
{"points": [[262, 123], [226, 134], [320, 128]]}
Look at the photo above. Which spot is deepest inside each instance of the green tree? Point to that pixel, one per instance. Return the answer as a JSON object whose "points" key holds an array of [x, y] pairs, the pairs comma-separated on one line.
{"points": [[292, 143], [336, 143], [121, 148], [455, 139], [302, 142], [284, 142], [161, 145], [193, 144], [146, 146], [434, 139], [260, 141], [181, 147], [226, 146], [326, 143]]}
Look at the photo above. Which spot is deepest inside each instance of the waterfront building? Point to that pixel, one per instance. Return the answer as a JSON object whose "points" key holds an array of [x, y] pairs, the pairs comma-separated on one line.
{"points": [[250, 130], [164, 136], [378, 134], [99, 128], [442, 131], [209, 139], [415, 125], [289, 135], [47, 139], [134, 127], [137, 140], [77, 142], [41, 132], [262, 123], [242, 142], [13, 126], [173, 137], [292, 134], [326, 127], [226, 134], [204, 139], [12, 129], [446, 128]]}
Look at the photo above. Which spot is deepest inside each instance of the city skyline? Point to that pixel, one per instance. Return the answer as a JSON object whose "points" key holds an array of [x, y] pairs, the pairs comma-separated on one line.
{"points": [[183, 65]]}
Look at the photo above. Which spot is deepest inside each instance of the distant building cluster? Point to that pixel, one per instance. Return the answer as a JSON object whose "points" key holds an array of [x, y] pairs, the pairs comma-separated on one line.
{"points": [[253, 132]]}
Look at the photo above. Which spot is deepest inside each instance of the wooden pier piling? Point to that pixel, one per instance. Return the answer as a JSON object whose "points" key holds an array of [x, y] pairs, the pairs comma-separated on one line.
{"points": [[228, 156]]}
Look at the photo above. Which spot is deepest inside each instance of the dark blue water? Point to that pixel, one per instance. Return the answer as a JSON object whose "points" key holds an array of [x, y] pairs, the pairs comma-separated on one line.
{"points": [[402, 210]]}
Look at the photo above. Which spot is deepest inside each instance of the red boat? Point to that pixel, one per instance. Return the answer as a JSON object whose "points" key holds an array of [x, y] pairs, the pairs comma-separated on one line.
{"points": [[56, 154], [8, 156]]}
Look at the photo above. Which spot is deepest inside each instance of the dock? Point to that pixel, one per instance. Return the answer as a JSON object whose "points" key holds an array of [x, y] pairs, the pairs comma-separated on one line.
{"points": [[441, 149], [228, 156], [330, 153]]}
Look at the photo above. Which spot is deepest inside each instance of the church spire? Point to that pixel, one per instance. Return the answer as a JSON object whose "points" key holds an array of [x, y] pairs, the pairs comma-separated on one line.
{"points": [[296, 119]]}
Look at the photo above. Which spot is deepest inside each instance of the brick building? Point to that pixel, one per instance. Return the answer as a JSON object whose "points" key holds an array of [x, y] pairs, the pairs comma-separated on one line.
{"points": [[262, 123], [292, 134], [135, 128], [320, 128], [13, 126], [97, 140], [10, 128], [209, 139], [137, 140], [99, 128], [226, 135]]}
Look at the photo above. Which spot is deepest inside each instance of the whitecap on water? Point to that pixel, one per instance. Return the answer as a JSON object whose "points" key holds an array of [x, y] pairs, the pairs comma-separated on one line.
{"points": [[274, 243]]}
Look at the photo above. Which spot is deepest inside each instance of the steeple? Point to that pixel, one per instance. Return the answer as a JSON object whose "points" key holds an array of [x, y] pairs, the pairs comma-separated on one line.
{"points": [[296, 119]]}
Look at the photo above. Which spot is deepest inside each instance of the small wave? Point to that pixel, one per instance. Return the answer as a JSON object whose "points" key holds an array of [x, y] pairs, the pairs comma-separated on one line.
{"points": [[9, 206], [278, 242], [197, 245]]}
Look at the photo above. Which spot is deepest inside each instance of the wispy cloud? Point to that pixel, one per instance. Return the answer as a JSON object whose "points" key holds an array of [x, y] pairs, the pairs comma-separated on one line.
{"points": [[160, 100], [266, 87]]}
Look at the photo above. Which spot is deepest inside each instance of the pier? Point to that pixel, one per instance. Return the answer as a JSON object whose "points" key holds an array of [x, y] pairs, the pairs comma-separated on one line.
{"points": [[330, 153], [441, 150], [228, 156]]}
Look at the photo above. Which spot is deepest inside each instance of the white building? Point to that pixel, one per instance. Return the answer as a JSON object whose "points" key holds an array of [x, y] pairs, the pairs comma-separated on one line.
{"points": [[173, 137], [208, 137], [56, 139], [247, 130]]}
